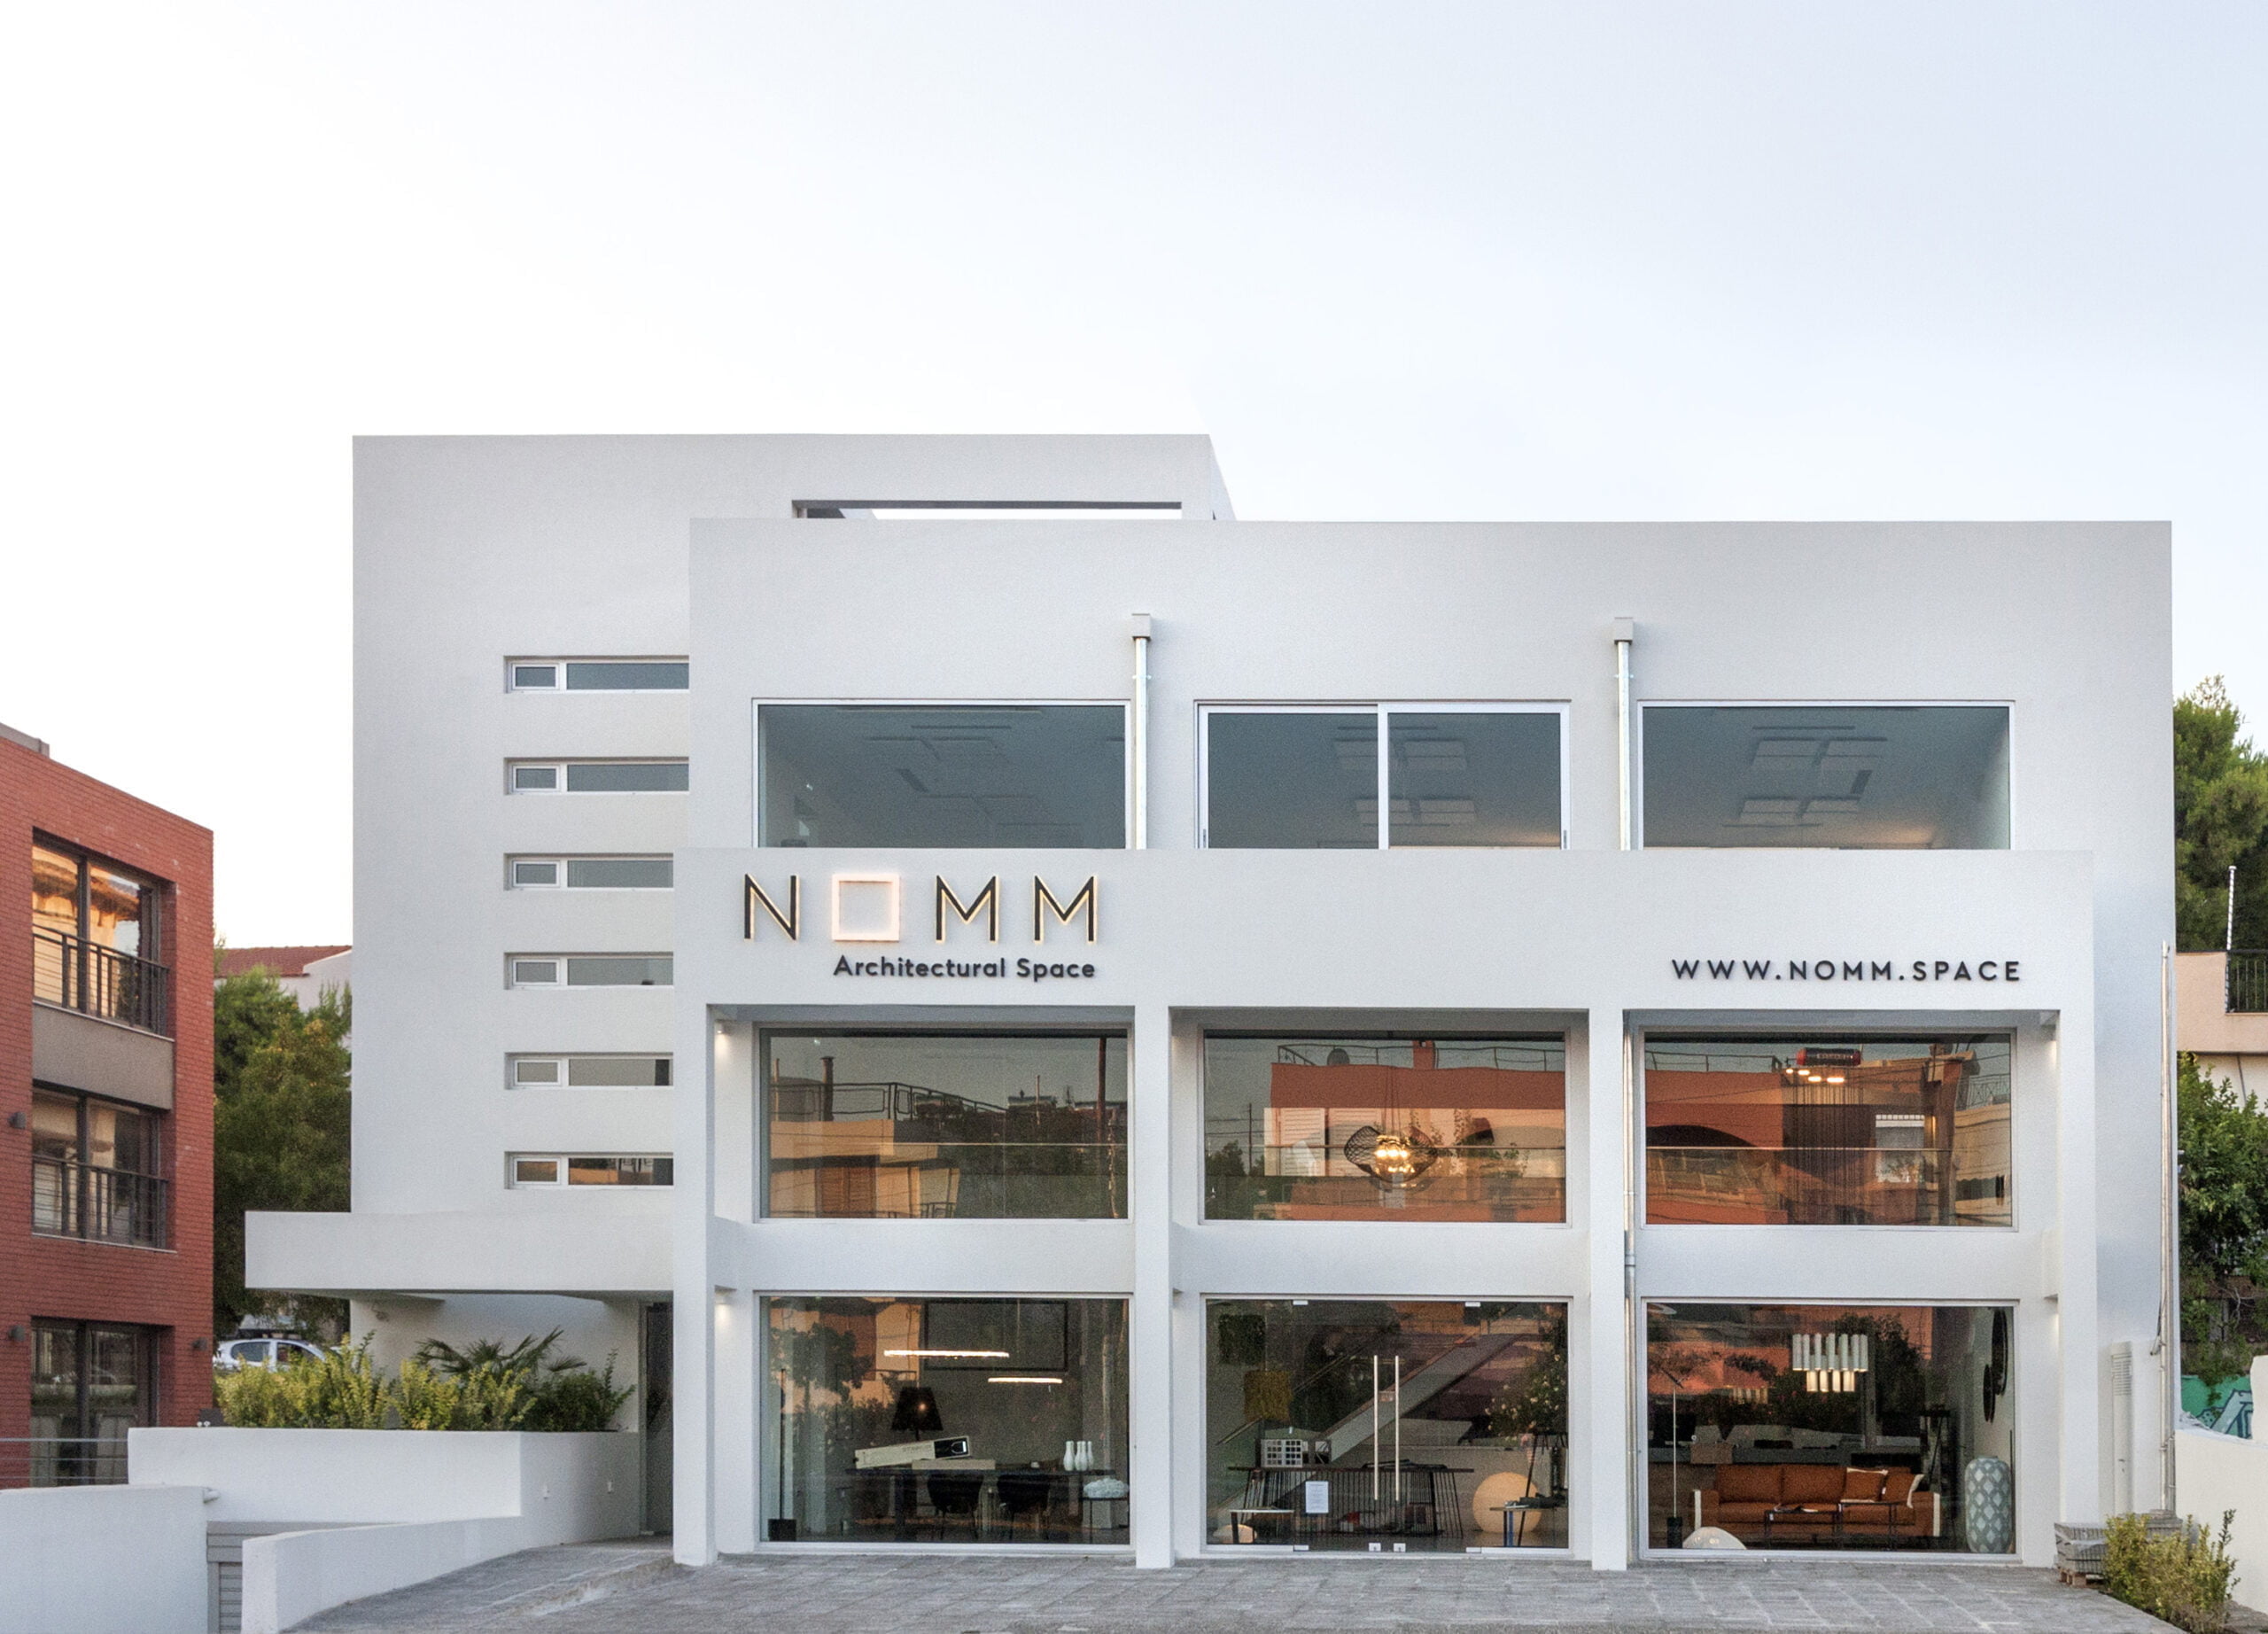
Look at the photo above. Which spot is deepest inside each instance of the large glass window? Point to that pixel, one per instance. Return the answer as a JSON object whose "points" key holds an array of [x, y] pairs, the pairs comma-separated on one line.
{"points": [[1371, 1424], [1050, 776], [97, 942], [946, 1420], [1369, 1128], [1832, 1427], [1827, 1131], [1861, 777], [952, 1126], [1355, 778], [91, 1382], [97, 1169]]}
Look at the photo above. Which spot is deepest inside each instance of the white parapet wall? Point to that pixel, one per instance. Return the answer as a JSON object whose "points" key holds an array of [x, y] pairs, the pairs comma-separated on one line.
{"points": [[101, 1560], [394, 1507], [2215, 1474]]}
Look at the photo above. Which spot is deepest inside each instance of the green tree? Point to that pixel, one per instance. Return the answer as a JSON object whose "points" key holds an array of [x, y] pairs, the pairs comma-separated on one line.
{"points": [[281, 1128], [2224, 1224], [2220, 818]]}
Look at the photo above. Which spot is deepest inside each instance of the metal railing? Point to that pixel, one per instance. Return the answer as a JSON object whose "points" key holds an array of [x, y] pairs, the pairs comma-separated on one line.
{"points": [[2246, 993], [63, 1460], [100, 1205], [80, 975]]}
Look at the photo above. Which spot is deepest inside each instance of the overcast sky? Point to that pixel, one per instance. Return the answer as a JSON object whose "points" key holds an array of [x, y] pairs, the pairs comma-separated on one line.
{"points": [[1400, 260]]}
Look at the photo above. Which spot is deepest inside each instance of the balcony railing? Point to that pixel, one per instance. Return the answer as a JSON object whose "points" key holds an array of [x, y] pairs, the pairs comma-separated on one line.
{"points": [[80, 975], [2248, 982], [99, 1205], [63, 1460]]}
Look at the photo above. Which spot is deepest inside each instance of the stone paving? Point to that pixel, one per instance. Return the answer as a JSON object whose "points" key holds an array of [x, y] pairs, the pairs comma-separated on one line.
{"points": [[633, 1586]]}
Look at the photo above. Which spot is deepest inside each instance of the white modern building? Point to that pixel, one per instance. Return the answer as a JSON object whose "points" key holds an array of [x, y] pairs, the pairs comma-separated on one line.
{"points": [[1026, 1013]]}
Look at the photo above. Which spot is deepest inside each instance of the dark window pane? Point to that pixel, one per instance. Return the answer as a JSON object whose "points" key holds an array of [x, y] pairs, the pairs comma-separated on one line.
{"points": [[625, 776], [618, 970], [953, 1127], [617, 1071], [1440, 1425], [1302, 782], [1044, 776], [951, 1421], [1371, 1129], [535, 777], [1832, 1427], [1827, 1131], [618, 873], [1919, 778], [539, 677], [610, 676], [1469, 778]]}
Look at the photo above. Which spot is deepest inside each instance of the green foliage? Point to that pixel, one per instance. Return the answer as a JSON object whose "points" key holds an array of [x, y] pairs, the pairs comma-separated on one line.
{"points": [[1536, 1403], [2220, 818], [2182, 1578], [2224, 1224], [282, 1119], [499, 1389]]}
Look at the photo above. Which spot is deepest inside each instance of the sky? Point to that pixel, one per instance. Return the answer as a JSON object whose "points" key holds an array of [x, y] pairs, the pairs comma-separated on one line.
{"points": [[1697, 259]]}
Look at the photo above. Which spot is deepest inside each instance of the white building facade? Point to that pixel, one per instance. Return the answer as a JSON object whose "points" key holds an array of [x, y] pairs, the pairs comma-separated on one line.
{"points": [[1027, 1014]]}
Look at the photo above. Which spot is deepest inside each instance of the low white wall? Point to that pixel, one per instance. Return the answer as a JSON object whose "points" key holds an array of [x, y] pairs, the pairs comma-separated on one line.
{"points": [[2213, 1472], [401, 1507], [101, 1560]]}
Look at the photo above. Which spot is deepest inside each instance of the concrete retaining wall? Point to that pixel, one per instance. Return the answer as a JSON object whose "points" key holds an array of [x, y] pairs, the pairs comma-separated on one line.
{"points": [[101, 1560]]}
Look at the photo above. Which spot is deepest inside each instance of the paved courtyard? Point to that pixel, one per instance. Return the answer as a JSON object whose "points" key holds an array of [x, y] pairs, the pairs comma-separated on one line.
{"points": [[633, 1586]]}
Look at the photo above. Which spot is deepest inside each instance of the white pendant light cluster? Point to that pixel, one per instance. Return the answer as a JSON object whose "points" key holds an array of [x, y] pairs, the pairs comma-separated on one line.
{"points": [[1830, 1363]]}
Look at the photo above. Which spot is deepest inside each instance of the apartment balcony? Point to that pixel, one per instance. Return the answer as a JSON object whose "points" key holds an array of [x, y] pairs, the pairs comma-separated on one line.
{"points": [[95, 1204], [102, 1021], [76, 974]]}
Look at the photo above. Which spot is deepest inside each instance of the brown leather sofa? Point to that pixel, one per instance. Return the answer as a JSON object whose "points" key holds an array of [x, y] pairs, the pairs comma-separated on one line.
{"points": [[1808, 1502]]}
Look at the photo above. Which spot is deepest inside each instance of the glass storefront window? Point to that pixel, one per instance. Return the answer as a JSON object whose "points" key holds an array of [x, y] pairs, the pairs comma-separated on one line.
{"points": [[90, 1384], [945, 1126], [1827, 1131], [1427, 1425], [1832, 1427], [946, 1420], [1050, 776], [1356, 1128], [1903, 778]]}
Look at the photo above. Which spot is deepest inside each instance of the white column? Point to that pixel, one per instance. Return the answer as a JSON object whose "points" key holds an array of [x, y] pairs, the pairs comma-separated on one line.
{"points": [[1599, 1411], [1150, 1348], [693, 1390], [2068, 1342]]}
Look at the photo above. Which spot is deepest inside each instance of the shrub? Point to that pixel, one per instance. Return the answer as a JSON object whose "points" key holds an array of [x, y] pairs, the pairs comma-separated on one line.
{"points": [[2182, 1578], [576, 1399], [484, 1386], [339, 1392]]}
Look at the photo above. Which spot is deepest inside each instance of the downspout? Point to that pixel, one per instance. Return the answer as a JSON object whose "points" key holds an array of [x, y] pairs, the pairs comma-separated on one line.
{"points": [[1639, 1478], [2169, 1343], [1626, 631], [1140, 747]]}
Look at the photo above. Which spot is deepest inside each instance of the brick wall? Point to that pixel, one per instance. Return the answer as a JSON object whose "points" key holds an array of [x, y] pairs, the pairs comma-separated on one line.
{"points": [[171, 1290]]}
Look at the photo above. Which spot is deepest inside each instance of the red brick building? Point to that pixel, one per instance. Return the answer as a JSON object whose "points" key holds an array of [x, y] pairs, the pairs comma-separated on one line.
{"points": [[106, 1119]]}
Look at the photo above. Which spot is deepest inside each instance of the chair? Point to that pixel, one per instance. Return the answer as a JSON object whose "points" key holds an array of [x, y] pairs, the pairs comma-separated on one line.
{"points": [[1025, 1492], [954, 1498]]}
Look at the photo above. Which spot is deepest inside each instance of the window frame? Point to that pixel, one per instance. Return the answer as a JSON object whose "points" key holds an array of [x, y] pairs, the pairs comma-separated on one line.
{"points": [[564, 1060], [513, 861], [1125, 707], [558, 665], [513, 767], [565, 1159], [1639, 706], [560, 984], [158, 1178], [1385, 710]]}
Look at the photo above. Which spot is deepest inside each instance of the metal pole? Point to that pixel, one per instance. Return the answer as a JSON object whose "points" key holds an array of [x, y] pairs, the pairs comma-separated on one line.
{"points": [[1634, 1371], [2169, 1343], [2228, 936], [1397, 1429], [1625, 632], [1374, 1428], [1139, 749]]}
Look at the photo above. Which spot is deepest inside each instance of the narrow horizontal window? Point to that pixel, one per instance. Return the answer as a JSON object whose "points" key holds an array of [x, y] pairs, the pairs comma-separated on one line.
{"points": [[591, 1071], [989, 511], [1859, 777], [547, 1169], [598, 674], [1042, 775], [535, 973], [598, 777], [591, 873], [591, 971]]}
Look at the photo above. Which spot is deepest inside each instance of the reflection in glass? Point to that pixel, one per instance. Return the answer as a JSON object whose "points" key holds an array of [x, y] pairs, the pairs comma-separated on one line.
{"points": [[1863, 778], [1296, 780], [1827, 1131], [90, 1384], [1349, 1128], [1039, 775], [1439, 1425], [1832, 1427], [1469, 777], [946, 1420], [954, 1126]]}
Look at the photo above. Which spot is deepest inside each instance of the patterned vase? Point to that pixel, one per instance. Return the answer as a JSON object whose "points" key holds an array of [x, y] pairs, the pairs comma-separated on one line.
{"points": [[1988, 1507]]}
